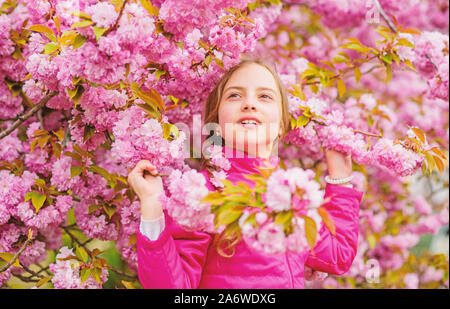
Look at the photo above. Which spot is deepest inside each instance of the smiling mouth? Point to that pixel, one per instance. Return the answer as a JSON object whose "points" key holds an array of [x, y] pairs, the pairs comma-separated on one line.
{"points": [[249, 124]]}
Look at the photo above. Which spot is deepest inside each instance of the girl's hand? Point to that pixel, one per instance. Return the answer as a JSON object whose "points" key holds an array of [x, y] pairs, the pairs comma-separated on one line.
{"points": [[145, 186], [339, 164]]}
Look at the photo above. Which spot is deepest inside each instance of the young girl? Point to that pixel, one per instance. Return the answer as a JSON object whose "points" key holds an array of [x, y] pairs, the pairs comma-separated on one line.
{"points": [[248, 100]]}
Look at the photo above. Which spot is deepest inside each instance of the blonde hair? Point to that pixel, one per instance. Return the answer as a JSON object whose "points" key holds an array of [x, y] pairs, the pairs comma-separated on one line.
{"points": [[211, 115]]}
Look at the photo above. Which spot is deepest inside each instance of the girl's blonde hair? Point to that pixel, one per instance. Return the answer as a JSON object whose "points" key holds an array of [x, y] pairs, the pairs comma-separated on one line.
{"points": [[211, 115]]}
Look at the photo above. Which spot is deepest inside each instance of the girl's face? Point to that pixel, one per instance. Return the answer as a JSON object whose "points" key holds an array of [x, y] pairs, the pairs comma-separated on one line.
{"points": [[250, 110]]}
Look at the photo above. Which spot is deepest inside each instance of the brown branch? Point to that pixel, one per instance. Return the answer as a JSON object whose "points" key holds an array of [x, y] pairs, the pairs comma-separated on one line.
{"points": [[41, 120], [121, 273], [33, 274], [385, 17], [367, 133], [66, 136], [348, 70], [26, 279], [27, 115], [432, 62], [16, 256], [116, 24], [73, 237]]}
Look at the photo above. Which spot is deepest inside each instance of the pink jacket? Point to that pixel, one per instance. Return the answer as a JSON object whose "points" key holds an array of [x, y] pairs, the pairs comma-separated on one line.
{"points": [[182, 259]]}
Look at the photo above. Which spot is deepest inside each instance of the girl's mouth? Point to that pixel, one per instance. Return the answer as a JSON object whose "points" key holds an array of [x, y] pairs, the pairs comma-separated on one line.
{"points": [[249, 124]]}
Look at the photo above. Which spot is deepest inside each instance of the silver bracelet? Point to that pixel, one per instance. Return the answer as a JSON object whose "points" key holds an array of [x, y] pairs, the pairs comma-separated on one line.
{"points": [[338, 181]]}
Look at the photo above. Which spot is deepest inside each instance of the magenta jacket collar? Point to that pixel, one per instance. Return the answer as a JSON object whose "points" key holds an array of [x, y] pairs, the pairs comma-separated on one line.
{"points": [[243, 163]]}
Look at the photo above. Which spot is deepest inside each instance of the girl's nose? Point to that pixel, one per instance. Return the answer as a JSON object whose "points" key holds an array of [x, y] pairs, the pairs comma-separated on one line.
{"points": [[248, 105]]}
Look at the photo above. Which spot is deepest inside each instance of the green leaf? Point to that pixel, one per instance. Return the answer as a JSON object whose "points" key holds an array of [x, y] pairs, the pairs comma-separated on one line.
{"points": [[341, 87], [208, 60], [388, 72], [226, 217], [283, 217], [99, 32], [430, 162], [213, 198], [219, 62], [40, 183], [357, 74], [81, 15], [159, 73], [96, 273], [298, 92], [82, 24], [8, 257], [43, 281], [169, 129], [82, 152], [310, 231], [41, 28], [439, 164], [371, 239], [79, 41], [89, 131], [419, 133], [75, 170], [52, 38], [354, 46], [152, 10], [404, 42], [339, 60], [82, 254], [409, 65], [28, 195], [74, 156], [387, 58], [151, 98], [302, 121], [78, 94], [85, 274], [100, 170], [128, 285], [180, 44], [110, 210], [37, 200], [42, 141], [93, 208]]}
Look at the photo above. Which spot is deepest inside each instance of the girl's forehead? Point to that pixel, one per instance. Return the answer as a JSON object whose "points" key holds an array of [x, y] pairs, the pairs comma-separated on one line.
{"points": [[252, 75]]}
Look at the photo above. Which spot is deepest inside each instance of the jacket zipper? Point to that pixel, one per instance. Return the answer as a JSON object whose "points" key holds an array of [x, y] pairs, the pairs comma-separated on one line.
{"points": [[290, 271]]}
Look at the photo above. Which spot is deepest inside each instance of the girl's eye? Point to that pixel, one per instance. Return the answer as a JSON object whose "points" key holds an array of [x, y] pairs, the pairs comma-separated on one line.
{"points": [[233, 95], [266, 96]]}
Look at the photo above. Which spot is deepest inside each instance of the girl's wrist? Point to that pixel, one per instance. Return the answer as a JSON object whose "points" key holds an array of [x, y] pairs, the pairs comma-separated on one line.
{"points": [[339, 175], [339, 180], [151, 208]]}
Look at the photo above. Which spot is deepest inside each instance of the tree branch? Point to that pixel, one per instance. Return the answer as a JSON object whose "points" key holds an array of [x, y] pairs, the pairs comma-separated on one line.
{"points": [[116, 24], [28, 114], [385, 17], [16, 256]]}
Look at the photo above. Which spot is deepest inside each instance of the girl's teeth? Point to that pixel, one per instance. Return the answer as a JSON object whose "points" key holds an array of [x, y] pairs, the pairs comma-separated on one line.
{"points": [[249, 125]]}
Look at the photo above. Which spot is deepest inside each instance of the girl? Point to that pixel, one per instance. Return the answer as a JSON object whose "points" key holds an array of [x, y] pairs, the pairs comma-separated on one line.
{"points": [[247, 100]]}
